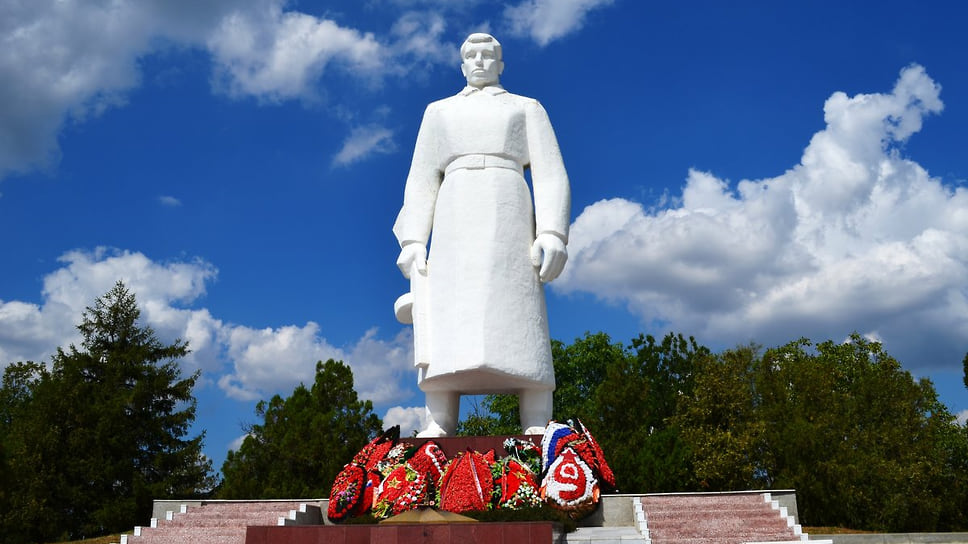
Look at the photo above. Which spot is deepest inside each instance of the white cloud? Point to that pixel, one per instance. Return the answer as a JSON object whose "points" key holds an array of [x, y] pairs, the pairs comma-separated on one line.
{"points": [[962, 417], [237, 443], [544, 21], [417, 35], [71, 59], [278, 54], [32, 331], [380, 366], [169, 201], [855, 237], [58, 58], [261, 362], [409, 419], [364, 141], [272, 359]]}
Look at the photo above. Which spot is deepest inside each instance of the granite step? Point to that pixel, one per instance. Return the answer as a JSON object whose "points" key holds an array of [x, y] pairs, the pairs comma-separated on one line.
{"points": [[719, 540], [752, 515], [246, 506], [605, 535], [714, 527], [659, 536], [707, 502], [221, 522], [715, 519], [175, 535]]}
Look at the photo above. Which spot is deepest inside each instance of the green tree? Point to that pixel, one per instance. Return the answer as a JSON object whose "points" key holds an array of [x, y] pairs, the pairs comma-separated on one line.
{"points": [[303, 441], [496, 415], [858, 438], [91, 441], [579, 369], [964, 364], [635, 404], [720, 424]]}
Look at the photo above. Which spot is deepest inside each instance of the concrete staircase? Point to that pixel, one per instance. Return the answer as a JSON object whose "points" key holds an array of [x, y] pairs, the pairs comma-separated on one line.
{"points": [[222, 522], [715, 518], [677, 518]]}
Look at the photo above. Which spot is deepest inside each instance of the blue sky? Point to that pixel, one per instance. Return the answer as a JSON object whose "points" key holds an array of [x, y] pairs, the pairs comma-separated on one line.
{"points": [[741, 171]]}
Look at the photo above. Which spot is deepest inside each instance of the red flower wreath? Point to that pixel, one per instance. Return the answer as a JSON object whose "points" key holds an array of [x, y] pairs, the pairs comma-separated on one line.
{"points": [[467, 483], [429, 460], [570, 485], [377, 449], [557, 436], [597, 461], [404, 489], [347, 493]]}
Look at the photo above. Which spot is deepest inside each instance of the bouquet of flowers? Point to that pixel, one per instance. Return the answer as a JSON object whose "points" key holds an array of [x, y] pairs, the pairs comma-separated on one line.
{"points": [[525, 452], [515, 485], [397, 455]]}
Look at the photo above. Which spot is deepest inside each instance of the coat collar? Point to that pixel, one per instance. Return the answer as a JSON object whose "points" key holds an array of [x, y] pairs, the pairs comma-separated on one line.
{"points": [[490, 89]]}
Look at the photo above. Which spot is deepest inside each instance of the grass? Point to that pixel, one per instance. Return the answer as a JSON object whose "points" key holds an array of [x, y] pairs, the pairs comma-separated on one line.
{"points": [[109, 539], [834, 531]]}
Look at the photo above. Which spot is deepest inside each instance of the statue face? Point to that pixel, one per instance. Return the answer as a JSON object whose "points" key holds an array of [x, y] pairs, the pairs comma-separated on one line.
{"points": [[480, 65]]}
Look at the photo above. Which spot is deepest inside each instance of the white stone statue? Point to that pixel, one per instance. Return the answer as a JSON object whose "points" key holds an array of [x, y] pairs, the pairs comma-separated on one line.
{"points": [[477, 302]]}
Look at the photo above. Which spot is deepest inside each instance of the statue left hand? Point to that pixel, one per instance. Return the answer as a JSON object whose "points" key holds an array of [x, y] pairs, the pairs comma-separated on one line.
{"points": [[548, 252], [412, 253]]}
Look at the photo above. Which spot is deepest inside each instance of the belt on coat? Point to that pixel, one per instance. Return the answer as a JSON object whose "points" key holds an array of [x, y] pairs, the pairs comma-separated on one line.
{"points": [[480, 161]]}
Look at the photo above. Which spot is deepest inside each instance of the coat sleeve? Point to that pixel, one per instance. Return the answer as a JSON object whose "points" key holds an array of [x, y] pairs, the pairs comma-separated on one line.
{"points": [[552, 194], [416, 217]]}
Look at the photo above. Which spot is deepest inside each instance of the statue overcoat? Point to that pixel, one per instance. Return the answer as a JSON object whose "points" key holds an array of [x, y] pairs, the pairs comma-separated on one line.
{"points": [[488, 326]]}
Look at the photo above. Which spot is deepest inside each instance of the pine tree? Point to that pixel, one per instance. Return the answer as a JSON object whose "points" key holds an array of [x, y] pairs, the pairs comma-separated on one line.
{"points": [[95, 438], [303, 441]]}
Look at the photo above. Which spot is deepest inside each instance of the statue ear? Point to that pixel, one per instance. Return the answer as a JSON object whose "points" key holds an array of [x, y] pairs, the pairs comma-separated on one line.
{"points": [[463, 70], [500, 67]]}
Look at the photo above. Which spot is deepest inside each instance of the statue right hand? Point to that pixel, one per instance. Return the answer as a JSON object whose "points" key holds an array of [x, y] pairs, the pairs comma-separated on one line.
{"points": [[412, 254]]}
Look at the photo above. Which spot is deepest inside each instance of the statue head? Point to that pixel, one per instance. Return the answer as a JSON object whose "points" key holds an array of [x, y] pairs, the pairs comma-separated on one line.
{"points": [[481, 60]]}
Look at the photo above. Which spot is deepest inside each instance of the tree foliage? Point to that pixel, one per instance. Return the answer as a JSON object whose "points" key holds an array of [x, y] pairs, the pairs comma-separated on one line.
{"points": [[863, 443], [303, 441], [635, 404], [89, 441], [719, 424], [857, 436]]}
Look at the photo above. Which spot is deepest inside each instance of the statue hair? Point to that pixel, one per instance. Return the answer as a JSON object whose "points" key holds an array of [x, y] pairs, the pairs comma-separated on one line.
{"points": [[480, 37]]}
